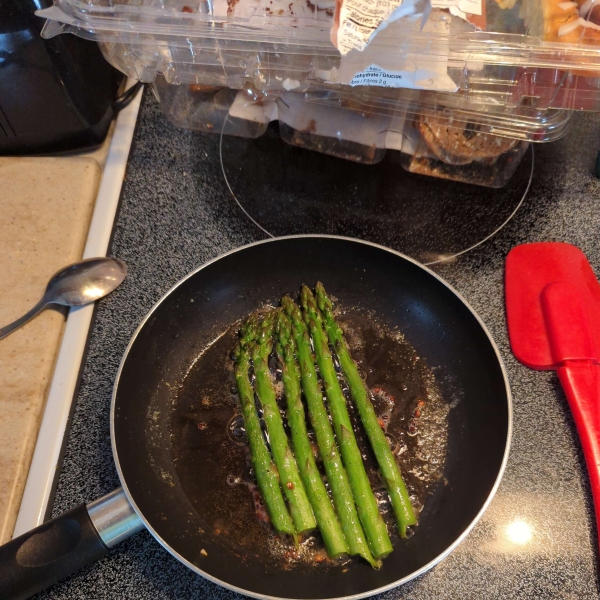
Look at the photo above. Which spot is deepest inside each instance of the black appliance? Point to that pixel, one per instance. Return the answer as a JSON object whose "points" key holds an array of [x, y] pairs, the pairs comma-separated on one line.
{"points": [[56, 95]]}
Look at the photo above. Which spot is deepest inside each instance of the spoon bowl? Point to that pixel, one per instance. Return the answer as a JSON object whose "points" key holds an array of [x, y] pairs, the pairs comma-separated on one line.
{"points": [[85, 281], [75, 285]]}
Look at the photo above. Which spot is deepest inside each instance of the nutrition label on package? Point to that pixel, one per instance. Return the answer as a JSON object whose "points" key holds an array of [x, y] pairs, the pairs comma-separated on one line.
{"points": [[374, 75], [358, 21]]}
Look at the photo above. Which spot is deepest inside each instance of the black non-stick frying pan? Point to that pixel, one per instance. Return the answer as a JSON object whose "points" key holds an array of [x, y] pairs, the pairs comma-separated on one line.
{"points": [[433, 318]]}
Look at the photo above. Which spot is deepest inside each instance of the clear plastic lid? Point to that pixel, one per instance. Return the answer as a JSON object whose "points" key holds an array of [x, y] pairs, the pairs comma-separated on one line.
{"points": [[463, 33]]}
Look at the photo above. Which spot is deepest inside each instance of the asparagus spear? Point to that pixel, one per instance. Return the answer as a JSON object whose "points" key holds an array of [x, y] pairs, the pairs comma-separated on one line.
{"points": [[403, 509], [331, 530], [294, 491], [267, 476], [366, 503], [336, 474]]}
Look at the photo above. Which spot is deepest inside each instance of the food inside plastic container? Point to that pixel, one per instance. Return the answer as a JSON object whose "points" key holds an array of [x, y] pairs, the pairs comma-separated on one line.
{"points": [[357, 135], [571, 22], [211, 109], [346, 150], [463, 143], [441, 143], [452, 149], [482, 146], [460, 152]]}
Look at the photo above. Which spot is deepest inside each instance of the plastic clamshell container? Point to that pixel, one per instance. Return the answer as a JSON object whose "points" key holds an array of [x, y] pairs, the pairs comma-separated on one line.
{"points": [[347, 113], [444, 144], [493, 142], [515, 53]]}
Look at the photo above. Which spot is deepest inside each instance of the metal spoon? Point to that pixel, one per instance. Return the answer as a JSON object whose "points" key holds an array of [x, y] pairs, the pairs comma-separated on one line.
{"points": [[76, 285]]}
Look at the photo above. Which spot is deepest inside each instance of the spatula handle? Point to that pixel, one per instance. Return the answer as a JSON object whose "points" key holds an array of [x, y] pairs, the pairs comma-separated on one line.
{"points": [[581, 383]]}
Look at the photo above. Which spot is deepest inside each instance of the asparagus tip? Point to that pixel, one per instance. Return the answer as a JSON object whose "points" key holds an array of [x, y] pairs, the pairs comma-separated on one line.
{"points": [[305, 295], [249, 329], [323, 300], [284, 327]]}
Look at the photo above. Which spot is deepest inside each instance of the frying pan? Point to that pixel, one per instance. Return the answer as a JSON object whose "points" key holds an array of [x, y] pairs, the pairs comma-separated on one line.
{"points": [[438, 323]]}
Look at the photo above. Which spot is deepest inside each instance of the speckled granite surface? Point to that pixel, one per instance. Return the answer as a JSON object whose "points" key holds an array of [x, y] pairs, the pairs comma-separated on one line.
{"points": [[45, 205], [176, 214]]}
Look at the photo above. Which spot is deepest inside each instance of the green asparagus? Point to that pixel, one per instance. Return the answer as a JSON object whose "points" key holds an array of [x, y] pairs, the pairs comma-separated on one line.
{"points": [[336, 474], [327, 521], [366, 503], [293, 488], [403, 509], [267, 476]]}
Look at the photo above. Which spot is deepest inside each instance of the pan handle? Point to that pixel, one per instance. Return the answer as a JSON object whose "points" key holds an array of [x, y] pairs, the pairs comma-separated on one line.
{"points": [[62, 546]]}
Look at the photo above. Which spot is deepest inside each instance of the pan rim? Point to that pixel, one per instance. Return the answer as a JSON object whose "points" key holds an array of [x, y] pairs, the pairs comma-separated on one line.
{"points": [[382, 589]]}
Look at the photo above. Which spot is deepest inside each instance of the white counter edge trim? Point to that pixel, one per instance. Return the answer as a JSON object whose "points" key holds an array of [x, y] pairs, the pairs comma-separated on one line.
{"points": [[66, 372]]}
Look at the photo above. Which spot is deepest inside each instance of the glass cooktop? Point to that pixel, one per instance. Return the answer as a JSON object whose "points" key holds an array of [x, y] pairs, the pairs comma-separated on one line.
{"points": [[287, 190]]}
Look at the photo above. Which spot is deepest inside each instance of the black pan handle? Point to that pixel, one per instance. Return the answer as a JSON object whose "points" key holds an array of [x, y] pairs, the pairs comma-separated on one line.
{"points": [[48, 553], [62, 546]]}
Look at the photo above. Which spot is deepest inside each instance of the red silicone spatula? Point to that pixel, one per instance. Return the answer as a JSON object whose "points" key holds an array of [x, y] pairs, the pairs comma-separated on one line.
{"points": [[553, 312]]}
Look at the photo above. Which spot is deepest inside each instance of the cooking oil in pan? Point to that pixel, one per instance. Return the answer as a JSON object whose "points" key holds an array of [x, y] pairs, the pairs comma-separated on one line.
{"points": [[211, 455]]}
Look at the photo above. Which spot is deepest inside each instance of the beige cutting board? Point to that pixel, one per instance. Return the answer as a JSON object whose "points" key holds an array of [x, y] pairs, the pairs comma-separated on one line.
{"points": [[45, 210]]}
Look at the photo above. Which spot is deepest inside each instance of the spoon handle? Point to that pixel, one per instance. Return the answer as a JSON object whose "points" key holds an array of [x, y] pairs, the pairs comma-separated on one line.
{"points": [[4, 331]]}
